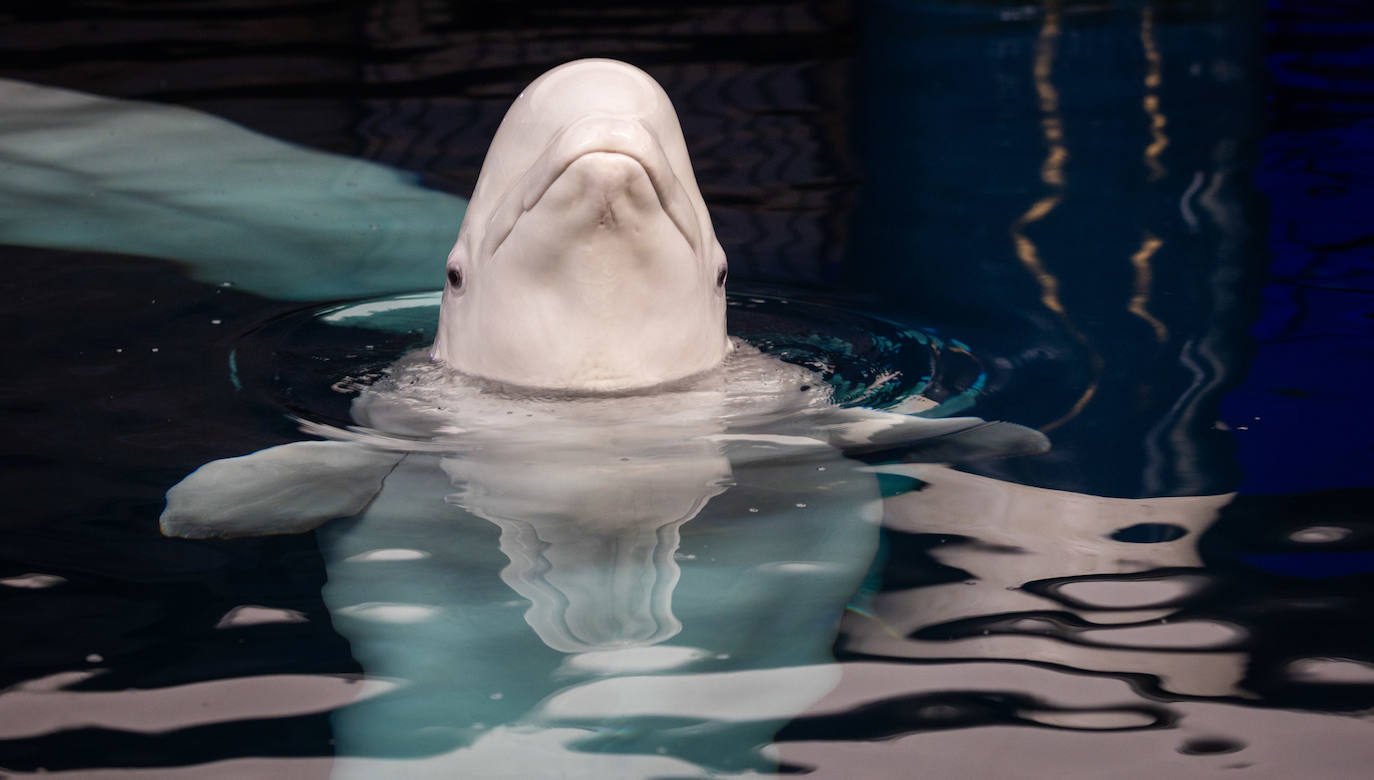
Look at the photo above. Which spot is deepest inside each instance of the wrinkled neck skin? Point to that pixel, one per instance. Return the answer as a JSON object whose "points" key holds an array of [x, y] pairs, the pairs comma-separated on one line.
{"points": [[586, 261]]}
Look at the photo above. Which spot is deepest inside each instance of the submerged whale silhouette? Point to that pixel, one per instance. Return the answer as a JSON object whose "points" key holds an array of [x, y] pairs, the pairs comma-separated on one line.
{"points": [[532, 571], [686, 550], [91, 173]]}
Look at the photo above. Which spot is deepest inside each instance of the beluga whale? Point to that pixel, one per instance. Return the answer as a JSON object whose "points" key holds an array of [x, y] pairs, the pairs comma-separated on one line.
{"points": [[586, 260], [585, 528]]}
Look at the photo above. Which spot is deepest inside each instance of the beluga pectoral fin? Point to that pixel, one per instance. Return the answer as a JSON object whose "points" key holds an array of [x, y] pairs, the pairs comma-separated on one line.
{"points": [[586, 261], [859, 432], [929, 440], [290, 488]]}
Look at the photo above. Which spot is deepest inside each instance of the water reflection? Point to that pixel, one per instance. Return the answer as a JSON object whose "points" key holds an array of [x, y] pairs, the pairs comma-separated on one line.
{"points": [[1095, 622], [594, 551], [1140, 296], [1047, 576], [1115, 294], [1052, 176], [1159, 140], [636, 585]]}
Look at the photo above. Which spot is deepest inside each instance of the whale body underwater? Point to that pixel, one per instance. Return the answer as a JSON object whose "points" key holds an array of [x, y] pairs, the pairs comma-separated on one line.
{"points": [[584, 503]]}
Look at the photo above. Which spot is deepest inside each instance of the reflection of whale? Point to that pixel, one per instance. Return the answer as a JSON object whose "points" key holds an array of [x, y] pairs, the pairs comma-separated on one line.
{"points": [[970, 721], [670, 551], [682, 556], [91, 173], [593, 549], [1056, 577], [1052, 594]]}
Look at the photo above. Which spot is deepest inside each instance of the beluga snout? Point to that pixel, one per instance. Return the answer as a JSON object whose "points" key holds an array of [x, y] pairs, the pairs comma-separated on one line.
{"points": [[586, 261]]}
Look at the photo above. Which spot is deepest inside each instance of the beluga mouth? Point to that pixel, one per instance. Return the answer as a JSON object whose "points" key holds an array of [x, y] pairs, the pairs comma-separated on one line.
{"points": [[588, 138], [586, 261]]}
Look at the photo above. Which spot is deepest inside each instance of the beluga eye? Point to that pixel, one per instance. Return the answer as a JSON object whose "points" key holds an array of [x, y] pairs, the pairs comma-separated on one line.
{"points": [[455, 279], [720, 276]]}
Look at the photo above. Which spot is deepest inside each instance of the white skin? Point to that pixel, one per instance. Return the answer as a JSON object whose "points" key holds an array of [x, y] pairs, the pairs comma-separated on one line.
{"points": [[586, 260], [586, 263]]}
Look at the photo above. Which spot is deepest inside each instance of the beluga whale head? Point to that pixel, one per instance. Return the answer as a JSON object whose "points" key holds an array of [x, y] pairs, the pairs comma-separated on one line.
{"points": [[586, 261]]}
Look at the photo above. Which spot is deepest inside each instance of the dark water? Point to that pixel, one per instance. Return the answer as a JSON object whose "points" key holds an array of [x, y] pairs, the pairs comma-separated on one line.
{"points": [[1148, 221]]}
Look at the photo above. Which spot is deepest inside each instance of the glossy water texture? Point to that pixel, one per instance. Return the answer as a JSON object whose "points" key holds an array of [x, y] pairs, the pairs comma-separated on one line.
{"points": [[1138, 227], [667, 551]]}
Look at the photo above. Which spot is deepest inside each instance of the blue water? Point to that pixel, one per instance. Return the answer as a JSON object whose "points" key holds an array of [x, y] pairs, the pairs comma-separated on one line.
{"points": [[1138, 227]]}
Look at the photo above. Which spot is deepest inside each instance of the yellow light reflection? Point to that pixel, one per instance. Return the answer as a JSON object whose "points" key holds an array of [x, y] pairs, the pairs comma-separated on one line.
{"points": [[1158, 140], [1052, 175], [1030, 257], [1056, 155], [1140, 297]]}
